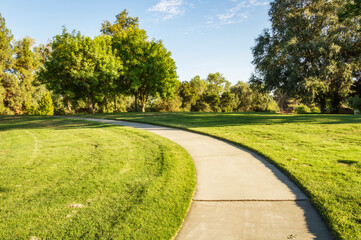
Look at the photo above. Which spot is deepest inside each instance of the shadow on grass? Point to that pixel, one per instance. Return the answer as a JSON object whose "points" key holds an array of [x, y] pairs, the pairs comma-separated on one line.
{"points": [[4, 189], [195, 119], [36, 122], [187, 120]]}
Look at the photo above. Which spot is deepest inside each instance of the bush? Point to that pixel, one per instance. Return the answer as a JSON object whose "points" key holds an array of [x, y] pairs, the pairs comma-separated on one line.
{"points": [[315, 110], [273, 107], [302, 109], [355, 102], [45, 106]]}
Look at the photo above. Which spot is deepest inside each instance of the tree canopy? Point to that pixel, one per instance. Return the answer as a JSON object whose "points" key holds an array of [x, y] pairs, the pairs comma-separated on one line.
{"points": [[19, 63], [81, 67], [308, 52], [149, 69]]}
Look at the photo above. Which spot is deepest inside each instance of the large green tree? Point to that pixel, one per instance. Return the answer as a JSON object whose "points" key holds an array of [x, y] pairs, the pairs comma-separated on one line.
{"points": [[8, 88], [80, 67], [308, 53], [18, 66], [149, 69]]}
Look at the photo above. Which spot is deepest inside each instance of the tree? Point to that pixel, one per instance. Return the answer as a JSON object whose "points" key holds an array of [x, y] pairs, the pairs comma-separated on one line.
{"points": [[149, 69], [18, 67], [189, 94], [200, 84], [243, 97], [81, 68], [308, 53], [26, 65], [45, 105], [226, 103], [252, 98], [217, 84], [351, 11], [122, 22], [8, 86], [5, 47]]}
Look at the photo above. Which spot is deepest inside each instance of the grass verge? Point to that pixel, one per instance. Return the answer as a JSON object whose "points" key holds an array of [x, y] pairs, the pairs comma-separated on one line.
{"points": [[71, 179], [320, 152]]}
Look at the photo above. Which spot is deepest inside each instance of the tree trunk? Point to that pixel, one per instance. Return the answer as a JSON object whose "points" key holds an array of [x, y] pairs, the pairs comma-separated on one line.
{"points": [[69, 106], [90, 105], [322, 103], [143, 100], [143, 106], [115, 104], [136, 102], [335, 104]]}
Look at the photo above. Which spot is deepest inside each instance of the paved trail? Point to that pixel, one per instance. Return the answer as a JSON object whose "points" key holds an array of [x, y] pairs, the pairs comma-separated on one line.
{"points": [[239, 195]]}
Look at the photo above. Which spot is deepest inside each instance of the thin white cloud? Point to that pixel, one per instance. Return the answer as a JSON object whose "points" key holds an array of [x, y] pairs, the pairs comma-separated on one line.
{"points": [[238, 13], [168, 8]]}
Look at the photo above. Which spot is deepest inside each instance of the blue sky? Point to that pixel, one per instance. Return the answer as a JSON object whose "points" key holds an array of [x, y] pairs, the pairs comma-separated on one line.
{"points": [[204, 36]]}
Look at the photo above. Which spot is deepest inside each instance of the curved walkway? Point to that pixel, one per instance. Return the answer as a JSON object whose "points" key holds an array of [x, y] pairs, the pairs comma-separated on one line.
{"points": [[239, 195]]}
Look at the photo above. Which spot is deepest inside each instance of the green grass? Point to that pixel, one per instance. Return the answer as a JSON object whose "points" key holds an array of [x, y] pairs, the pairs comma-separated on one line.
{"points": [[322, 153], [131, 184]]}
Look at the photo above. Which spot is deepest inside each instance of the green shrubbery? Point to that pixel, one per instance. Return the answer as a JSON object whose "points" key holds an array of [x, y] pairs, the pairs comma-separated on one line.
{"points": [[355, 102], [273, 107], [302, 109], [315, 110], [45, 106]]}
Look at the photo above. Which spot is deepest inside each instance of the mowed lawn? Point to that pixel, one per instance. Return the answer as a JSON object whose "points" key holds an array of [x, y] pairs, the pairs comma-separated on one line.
{"points": [[322, 153], [70, 179]]}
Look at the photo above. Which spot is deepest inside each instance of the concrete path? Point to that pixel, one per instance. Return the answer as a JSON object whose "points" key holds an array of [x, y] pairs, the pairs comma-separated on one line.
{"points": [[239, 195]]}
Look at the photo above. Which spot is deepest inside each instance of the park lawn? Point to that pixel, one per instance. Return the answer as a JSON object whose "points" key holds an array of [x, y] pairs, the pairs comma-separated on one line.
{"points": [[72, 179], [322, 153]]}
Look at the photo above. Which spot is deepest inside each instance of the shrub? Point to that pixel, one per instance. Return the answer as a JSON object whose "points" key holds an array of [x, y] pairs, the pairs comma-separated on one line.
{"points": [[355, 102], [45, 105], [315, 110], [273, 107], [302, 109]]}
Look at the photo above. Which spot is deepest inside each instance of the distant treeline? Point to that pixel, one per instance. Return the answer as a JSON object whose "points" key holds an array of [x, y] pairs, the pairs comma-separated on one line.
{"points": [[308, 62]]}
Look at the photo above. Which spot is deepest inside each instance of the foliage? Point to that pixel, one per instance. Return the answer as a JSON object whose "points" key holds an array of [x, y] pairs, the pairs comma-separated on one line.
{"points": [[308, 53], [273, 107], [167, 105], [80, 67], [190, 93], [149, 69], [217, 84], [128, 184], [226, 102], [302, 109], [355, 102], [45, 105], [122, 22], [324, 164], [19, 63], [252, 98], [315, 109], [351, 11]]}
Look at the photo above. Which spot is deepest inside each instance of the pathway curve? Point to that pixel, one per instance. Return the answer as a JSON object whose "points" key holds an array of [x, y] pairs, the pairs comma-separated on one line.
{"points": [[239, 195]]}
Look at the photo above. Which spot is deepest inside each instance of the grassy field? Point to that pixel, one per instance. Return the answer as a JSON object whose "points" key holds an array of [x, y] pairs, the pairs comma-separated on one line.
{"points": [[69, 179], [322, 153]]}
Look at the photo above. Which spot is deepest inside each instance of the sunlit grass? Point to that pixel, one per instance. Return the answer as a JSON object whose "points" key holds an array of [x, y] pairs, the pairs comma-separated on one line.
{"points": [[322, 153], [68, 179]]}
